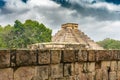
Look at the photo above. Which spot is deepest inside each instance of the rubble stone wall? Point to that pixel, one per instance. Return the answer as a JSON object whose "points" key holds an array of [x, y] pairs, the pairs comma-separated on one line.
{"points": [[59, 64]]}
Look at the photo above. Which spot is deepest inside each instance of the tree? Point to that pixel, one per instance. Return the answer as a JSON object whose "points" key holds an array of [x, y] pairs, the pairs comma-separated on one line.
{"points": [[22, 34], [110, 43]]}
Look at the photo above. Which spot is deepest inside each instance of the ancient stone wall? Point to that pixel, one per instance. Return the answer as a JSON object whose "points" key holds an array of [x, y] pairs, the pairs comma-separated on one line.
{"points": [[60, 65]]}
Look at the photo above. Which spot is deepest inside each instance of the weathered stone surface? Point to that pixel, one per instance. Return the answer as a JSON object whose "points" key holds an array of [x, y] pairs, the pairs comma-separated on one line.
{"points": [[44, 57], [98, 74], [114, 54], [91, 76], [70, 34], [91, 55], [118, 54], [85, 69], [4, 58], [118, 75], [56, 71], [103, 55], [55, 56], [78, 68], [112, 76], [91, 66], [118, 66], [59, 79], [13, 58], [98, 65], [71, 78], [42, 72], [69, 70], [25, 57], [83, 76], [82, 55], [113, 66], [6, 74], [69, 56], [24, 73], [36, 78], [105, 64], [104, 74]]}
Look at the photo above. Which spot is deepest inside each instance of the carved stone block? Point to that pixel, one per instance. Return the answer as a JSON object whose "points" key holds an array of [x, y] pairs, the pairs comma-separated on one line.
{"points": [[98, 74], [25, 57], [118, 54], [69, 56], [4, 58], [105, 74], [105, 64], [44, 57], [103, 55], [91, 66], [78, 68], [112, 76], [6, 74], [56, 71], [82, 55], [91, 76], [42, 72], [91, 55], [24, 73], [118, 75], [69, 70], [55, 56], [113, 66], [83, 76], [118, 66]]}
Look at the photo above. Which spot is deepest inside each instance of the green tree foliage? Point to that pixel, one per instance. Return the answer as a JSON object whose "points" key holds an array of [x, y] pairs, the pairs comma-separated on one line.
{"points": [[110, 43], [22, 34]]}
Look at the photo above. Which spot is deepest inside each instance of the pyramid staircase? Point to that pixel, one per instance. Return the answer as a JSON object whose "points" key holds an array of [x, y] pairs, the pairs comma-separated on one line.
{"points": [[70, 34]]}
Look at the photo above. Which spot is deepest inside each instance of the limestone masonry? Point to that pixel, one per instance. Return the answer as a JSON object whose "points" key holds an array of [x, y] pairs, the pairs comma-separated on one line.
{"points": [[70, 33], [69, 37], [70, 56], [60, 65]]}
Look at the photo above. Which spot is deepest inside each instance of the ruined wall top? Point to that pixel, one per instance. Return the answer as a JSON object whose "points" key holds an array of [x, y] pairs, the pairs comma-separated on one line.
{"points": [[70, 26]]}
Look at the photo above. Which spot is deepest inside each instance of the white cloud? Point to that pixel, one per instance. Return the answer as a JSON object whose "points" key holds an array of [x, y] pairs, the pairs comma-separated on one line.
{"points": [[110, 7], [98, 4], [53, 15]]}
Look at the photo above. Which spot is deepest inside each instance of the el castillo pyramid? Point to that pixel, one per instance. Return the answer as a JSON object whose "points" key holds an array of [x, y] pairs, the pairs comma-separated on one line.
{"points": [[70, 33], [69, 37]]}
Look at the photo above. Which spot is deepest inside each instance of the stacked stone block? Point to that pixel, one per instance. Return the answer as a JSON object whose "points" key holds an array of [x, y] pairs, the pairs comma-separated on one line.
{"points": [[60, 65]]}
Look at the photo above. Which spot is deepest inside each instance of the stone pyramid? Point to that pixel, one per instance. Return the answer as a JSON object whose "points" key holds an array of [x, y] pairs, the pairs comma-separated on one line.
{"points": [[70, 33]]}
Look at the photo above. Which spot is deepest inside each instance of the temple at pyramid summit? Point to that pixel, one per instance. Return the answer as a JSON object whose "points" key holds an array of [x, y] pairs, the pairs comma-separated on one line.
{"points": [[70, 37]]}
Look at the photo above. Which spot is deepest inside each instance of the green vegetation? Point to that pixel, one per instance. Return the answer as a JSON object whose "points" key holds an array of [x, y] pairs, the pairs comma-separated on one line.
{"points": [[110, 43], [22, 34]]}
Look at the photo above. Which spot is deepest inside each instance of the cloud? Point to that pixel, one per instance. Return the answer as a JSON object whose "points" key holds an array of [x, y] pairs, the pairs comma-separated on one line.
{"points": [[98, 19], [101, 10], [2, 3], [25, 1]]}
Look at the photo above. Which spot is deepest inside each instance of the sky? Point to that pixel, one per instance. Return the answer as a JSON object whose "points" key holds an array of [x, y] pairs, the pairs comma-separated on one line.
{"points": [[99, 19]]}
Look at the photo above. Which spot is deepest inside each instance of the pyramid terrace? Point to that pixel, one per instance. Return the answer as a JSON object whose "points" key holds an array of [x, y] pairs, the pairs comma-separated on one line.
{"points": [[69, 37]]}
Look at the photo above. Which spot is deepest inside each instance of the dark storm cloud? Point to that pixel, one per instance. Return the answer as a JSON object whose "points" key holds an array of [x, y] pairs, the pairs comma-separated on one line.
{"points": [[113, 1], [24, 1], [94, 19], [2, 3], [99, 13]]}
